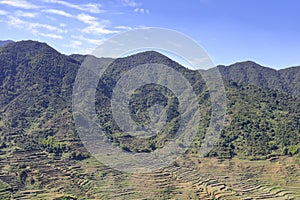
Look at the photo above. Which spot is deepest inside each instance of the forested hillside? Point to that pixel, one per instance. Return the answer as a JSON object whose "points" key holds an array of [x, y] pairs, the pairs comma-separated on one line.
{"points": [[37, 128], [37, 82]]}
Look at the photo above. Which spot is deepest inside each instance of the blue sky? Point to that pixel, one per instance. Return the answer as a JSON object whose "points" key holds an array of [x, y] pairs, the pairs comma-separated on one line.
{"points": [[264, 31]]}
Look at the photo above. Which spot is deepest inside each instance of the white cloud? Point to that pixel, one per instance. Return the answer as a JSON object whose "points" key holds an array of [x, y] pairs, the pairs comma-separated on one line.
{"points": [[50, 35], [93, 8], [87, 19], [142, 10], [95, 26], [130, 3], [74, 44], [89, 40], [97, 29], [123, 27], [14, 21], [20, 13], [80, 46], [90, 7], [50, 18], [135, 5], [2, 12], [57, 12], [45, 26], [33, 27], [19, 4]]}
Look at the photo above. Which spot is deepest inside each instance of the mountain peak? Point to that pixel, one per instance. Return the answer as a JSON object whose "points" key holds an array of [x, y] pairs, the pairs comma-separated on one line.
{"points": [[249, 62], [251, 73], [147, 57], [30, 48], [151, 54]]}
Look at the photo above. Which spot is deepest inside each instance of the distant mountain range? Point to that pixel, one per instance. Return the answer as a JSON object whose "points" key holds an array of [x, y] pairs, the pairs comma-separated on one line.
{"points": [[36, 83]]}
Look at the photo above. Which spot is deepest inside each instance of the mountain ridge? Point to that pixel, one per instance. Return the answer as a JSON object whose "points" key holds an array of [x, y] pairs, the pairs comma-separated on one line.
{"points": [[254, 74], [84, 55], [36, 80]]}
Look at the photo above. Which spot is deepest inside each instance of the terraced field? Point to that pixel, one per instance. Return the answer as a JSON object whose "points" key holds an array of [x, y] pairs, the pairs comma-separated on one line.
{"points": [[187, 178]]}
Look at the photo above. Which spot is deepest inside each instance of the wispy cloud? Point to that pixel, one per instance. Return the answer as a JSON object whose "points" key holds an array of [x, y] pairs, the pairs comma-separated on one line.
{"points": [[46, 26], [33, 27], [62, 25], [50, 35], [123, 27], [74, 44], [142, 10], [82, 45], [42, 18], [135, 5], [20, 13], [57, 12], [90, 7], [2, 12], [93, 8], [89, 40], [19, 4], [130, 3], [98, 29], [15, 22], [95, 26], [87, 19]]}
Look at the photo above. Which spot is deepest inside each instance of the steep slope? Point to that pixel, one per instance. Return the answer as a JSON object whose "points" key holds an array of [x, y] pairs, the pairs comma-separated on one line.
{"points": [[263, 122], [143, 99], [36, 85], [38, 140], [291, 76]]}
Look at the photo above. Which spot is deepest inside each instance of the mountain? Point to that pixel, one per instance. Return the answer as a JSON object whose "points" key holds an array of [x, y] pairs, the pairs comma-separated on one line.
{"points": [[36, 90], [250, 73], [39, 139], [5, 42], [36, 87]]}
